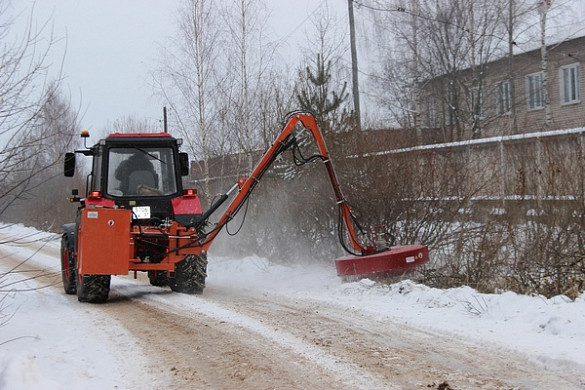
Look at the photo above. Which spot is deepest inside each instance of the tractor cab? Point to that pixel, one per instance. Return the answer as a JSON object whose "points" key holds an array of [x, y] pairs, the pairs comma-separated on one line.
{"points": [[139, 171]]}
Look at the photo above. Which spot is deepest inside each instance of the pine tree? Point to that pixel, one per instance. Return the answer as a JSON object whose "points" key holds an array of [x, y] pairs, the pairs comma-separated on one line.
{"points": [[315, 94]]}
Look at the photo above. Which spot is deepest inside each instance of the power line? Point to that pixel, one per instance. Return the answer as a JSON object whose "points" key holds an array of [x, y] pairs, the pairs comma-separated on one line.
{"points": [[302, 22], [406, 11]]}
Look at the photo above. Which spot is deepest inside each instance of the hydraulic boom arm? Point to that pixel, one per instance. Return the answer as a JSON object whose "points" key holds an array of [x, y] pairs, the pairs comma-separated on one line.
{"points": [[283, 142]]}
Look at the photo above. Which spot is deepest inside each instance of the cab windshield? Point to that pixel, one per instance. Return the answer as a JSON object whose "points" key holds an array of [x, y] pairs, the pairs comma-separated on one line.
{"points": [[141, 172]]}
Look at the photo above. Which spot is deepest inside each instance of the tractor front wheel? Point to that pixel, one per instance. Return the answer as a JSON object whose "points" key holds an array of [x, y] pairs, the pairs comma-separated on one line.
{"points": [[190, 274], [93, 288], [68, 267], [158, 278]]}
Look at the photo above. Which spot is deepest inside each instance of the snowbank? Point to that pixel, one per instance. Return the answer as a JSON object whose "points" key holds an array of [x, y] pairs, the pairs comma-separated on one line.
{"points": [[548, 330]]}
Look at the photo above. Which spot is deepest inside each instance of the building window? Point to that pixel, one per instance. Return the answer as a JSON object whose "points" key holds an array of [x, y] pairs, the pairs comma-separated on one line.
{"points": [[476, 99], [451, 105], [432, 119], [503, 97], [570, 84], [534, 91]]}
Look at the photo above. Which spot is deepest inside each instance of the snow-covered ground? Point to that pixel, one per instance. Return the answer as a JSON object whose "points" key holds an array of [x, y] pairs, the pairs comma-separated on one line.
{"points": [[39, 327]]}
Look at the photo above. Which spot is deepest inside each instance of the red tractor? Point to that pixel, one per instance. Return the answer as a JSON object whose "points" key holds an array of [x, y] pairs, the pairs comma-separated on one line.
{"points": [[136, 216]]}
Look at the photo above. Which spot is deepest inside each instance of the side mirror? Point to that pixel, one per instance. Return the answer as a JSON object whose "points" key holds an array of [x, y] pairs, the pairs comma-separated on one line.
{"points": [[184, 162], [69, 166]]}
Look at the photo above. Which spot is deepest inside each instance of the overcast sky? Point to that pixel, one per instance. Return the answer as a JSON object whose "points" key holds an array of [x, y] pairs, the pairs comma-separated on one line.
{"points": [[110, 48]]}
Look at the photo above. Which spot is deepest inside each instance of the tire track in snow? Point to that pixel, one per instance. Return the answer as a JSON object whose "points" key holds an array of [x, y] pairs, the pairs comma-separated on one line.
{"points": [[406, 357], [344, 372]]}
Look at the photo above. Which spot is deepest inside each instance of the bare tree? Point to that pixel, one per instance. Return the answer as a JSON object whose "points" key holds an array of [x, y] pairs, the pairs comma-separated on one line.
{"points": [[34, 185], [274, 100], [30, 108], [445, 48], [130, 123], [189, 78], [220, 81], [252, 74]]}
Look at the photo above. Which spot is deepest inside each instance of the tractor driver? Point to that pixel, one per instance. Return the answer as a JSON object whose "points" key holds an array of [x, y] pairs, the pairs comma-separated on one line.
{"points": [[135, 173]]}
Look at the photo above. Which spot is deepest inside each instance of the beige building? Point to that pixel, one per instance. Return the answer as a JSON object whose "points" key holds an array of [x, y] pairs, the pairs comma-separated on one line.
{"points": [[487, 101]]}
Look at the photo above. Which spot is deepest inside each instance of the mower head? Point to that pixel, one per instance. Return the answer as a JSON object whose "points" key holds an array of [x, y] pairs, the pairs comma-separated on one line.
{"points": [[394, 261]]}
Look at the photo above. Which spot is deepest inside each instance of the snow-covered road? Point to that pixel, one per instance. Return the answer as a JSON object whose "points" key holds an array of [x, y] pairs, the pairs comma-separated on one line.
{"points": [[262, 326]]}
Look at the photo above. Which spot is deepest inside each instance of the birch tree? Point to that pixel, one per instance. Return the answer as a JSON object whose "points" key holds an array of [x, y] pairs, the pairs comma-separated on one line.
{"points": [[251, 75], [188, 80]]}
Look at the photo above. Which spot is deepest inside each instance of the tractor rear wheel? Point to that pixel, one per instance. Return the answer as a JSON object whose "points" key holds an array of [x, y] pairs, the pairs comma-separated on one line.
{"points": [[190, 275], [93, 288], [68, 267]]}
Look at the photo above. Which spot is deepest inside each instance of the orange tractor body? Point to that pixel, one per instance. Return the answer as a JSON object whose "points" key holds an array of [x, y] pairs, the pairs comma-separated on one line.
{"points": [[136, 216]]}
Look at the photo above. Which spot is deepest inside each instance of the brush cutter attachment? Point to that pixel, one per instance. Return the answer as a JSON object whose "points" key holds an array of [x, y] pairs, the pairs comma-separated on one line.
{"points": [[379, 258], [394, 261]]}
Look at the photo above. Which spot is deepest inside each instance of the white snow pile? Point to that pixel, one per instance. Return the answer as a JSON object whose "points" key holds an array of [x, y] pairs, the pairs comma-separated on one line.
{"points": [[547, 330], [39, 327]]}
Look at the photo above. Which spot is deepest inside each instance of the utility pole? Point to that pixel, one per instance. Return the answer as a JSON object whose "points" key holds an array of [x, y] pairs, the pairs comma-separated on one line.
{"points": [[354, 67]]}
